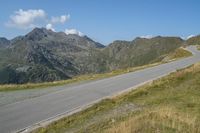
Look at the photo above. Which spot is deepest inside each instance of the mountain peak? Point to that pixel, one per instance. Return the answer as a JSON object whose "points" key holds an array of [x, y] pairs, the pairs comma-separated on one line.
{"points": [[38, 33]]}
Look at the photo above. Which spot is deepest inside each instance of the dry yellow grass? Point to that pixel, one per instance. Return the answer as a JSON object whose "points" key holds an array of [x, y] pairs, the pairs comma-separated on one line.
{"points": [[177, 54], [159, 120], [198, 47]]}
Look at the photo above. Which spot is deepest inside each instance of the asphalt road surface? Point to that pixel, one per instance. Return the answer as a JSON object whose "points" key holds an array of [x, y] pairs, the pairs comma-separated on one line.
{"points": [[19, 115]]}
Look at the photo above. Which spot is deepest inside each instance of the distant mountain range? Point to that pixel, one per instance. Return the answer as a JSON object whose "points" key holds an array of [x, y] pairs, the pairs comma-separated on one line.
{"points": [[44, 55]]}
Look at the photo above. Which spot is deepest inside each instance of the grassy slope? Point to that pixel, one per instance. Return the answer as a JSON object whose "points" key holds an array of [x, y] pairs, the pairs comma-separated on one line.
{"points": [[194, 40], [170, 104], [179, 53]]}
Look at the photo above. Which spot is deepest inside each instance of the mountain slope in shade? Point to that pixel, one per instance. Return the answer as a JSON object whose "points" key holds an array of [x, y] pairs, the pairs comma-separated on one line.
{"points": [[44, 55], [4, 43]]}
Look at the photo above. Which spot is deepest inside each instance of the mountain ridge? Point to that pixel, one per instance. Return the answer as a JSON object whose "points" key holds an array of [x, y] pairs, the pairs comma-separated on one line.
{"points": [[44, 55]]}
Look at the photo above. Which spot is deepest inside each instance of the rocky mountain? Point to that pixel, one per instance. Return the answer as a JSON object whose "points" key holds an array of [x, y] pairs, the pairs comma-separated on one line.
{"points": [[44, 55]]}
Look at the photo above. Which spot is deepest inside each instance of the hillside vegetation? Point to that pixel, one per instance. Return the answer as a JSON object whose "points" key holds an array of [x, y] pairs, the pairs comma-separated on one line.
{"points": [[170, 104], [194, 40]]}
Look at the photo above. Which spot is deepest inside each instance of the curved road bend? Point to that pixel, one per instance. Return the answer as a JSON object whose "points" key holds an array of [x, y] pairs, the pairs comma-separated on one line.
{"points": [[17, 116]]}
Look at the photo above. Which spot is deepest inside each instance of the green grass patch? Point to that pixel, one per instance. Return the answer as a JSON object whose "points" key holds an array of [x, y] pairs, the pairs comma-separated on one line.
{"points": [[170, 104]]}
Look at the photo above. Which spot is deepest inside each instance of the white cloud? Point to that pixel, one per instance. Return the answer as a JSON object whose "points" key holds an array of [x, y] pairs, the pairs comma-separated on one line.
{"points": [[73, 31], [55, 20], [147, 36], [26, 18], [61, 19], [190, 36], [50, 27]]}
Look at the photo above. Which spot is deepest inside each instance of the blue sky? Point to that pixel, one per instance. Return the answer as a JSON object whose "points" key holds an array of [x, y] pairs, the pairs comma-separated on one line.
{"points": [[103, 20]]}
